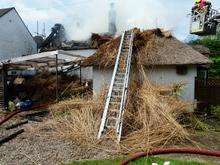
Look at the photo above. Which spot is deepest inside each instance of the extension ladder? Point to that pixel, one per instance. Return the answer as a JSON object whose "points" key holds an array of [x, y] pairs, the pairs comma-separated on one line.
{"points": [[112, 117]]}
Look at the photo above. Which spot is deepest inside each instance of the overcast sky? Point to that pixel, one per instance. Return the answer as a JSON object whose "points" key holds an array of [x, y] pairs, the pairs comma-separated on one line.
{"points": [[81, 17]]}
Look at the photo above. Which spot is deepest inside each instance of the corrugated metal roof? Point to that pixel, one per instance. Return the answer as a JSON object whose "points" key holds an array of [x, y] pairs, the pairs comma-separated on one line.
{"points": [[5, 10], [43, 59]]}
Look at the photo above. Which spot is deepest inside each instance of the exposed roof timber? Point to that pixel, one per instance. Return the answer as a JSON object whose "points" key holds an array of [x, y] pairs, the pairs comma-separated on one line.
{"points": [[30, 64], [32, 57], [69, 54], [45, 61]]}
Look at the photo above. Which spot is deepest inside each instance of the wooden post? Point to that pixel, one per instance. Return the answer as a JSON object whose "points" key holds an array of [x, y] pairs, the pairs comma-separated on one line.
{"points": [[4, 83], [57, 92], [80, 73]]}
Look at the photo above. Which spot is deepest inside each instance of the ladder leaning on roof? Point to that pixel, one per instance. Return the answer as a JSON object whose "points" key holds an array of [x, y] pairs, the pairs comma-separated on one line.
{"points": [[112, 117]]}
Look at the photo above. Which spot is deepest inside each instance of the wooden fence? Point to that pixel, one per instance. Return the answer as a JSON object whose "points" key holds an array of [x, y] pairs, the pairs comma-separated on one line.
{"points": [[207, 92]]}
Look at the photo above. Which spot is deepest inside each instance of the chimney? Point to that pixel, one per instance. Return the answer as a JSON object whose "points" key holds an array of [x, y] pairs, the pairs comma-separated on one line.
{"points": [[112, 19]]}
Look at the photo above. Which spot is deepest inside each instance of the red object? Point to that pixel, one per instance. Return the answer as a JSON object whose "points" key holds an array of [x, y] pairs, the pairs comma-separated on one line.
{"points": [[172, 151], [19, 111], [202, 4]]}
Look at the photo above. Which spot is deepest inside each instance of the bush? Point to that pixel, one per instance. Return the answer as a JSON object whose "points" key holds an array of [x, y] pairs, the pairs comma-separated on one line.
{"points": [[215, 110]]}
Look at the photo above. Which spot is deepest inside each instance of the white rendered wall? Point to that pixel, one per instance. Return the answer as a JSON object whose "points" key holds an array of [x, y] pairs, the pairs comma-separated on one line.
{"points": [[101, 79], [15, 39], [160, 75], [167, 76]]}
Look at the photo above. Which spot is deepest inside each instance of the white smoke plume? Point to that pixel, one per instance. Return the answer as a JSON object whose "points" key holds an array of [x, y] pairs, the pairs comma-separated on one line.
{"points": [[93, 16], [82, 17]]}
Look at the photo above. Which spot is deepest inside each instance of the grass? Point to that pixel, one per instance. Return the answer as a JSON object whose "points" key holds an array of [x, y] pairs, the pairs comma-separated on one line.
{"points": [[143, 161]]}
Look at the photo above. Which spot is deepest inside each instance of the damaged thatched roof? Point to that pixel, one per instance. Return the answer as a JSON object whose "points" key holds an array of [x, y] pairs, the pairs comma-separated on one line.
{"points": [[202, 49], [151, 47], [170, 51]]}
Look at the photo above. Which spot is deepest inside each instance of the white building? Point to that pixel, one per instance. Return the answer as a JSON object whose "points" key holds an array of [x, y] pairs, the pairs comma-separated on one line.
{"points": [[15, 38], [172, 62]]}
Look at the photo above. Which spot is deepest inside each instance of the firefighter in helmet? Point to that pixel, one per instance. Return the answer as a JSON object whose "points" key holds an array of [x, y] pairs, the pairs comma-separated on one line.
{"points": [[201, 4]]}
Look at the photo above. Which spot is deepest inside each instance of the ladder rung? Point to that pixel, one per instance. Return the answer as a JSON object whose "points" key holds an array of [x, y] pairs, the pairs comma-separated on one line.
{"points": [[116, 99], [117, 92], [111, 122], [121, 73], [113, 110], [111, 127], [118, 83], [116, 96], [120, 76], [114, 106], [125, 49], [113, 113], [112, 119], [115, 102], [117, 89]]}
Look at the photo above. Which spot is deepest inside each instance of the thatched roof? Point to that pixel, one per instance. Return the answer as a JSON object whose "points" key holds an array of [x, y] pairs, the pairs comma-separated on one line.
{"points": [[151, 47], [202, 49], [170, 51]]}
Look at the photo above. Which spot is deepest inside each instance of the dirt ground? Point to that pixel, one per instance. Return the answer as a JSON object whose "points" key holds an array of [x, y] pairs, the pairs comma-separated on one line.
{"points": [[38, 148]]}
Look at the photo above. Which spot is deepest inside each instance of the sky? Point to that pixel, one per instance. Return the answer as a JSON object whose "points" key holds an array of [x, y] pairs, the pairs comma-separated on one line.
{"points": [[82, 17]]}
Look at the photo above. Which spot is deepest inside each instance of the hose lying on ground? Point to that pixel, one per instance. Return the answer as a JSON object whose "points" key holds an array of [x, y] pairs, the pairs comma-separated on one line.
{"points": [[172, 151], [20, 111]]}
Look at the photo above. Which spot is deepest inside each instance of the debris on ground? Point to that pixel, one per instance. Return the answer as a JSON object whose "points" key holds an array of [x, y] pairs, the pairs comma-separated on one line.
{"points": [[42, 87], [151, 120], [152, 116]]}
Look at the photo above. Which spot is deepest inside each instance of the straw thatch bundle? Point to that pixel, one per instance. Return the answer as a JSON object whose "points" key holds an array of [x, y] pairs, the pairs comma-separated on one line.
{"points": [[106, 54], [152, 116], [151, 120], [152, 47]]}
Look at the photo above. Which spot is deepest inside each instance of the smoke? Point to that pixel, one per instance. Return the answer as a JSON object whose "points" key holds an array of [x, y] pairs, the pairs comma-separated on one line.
{"points": [[93, 16], [82, 17]]}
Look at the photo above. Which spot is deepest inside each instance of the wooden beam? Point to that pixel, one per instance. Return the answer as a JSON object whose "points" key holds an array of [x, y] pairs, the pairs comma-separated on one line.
{"points": [[57, 94]]}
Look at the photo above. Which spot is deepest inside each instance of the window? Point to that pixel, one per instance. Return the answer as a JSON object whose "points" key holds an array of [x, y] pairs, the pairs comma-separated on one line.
{"points": [[181, 70]]}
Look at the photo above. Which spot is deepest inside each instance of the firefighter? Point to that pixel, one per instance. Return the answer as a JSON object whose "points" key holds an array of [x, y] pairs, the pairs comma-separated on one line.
{"points": [[197, 2], [196, 5], [201, 4]]}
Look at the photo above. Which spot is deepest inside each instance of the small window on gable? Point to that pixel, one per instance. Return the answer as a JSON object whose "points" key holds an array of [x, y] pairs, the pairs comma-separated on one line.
{"points": [[181, 70]]}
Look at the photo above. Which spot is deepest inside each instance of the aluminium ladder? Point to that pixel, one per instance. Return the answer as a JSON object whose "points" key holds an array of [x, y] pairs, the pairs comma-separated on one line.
{"points": [[112, 117]]}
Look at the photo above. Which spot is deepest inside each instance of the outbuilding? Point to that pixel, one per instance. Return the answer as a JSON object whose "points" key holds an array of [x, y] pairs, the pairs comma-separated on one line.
{"points": [[166, 61]]}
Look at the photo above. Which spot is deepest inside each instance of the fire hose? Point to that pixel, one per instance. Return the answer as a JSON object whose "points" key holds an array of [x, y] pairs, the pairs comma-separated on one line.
{"points": [[161, 151], [20, 111]]}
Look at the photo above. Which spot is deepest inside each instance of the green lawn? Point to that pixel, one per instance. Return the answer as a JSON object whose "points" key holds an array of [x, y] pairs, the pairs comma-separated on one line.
{"points": [[143, 161]]}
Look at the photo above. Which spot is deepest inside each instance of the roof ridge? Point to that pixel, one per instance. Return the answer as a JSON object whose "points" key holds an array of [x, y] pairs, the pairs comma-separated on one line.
{"points": [[4, 11]]}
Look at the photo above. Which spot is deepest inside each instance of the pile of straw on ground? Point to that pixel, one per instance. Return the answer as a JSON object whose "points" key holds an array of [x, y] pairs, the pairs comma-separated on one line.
{"points": [[151, 117], [151, 120]]}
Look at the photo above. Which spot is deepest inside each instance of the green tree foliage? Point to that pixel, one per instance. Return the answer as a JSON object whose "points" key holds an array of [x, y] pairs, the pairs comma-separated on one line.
{"points": [[213, 43]]}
